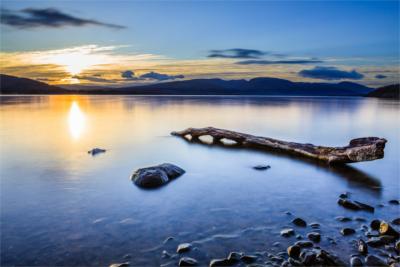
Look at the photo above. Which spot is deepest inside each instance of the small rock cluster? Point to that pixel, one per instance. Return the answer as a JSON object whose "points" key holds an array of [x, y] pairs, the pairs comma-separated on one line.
{"points": [[156, 176]]}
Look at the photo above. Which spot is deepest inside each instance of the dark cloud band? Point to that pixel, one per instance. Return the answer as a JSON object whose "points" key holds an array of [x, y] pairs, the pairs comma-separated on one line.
{"points": [[272, 62], [48, 17], [237, 53], [330, 73]]}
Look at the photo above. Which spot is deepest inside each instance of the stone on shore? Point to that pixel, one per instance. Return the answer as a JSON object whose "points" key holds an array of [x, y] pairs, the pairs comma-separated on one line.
{"points": [[299, 222], [183, 247], [156, 176], [347, 231], [96, 151], [287, 232], [186, 261]]}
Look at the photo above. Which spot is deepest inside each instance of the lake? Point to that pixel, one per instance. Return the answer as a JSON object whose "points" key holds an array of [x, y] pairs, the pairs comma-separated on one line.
{"points": [[62, 206]]}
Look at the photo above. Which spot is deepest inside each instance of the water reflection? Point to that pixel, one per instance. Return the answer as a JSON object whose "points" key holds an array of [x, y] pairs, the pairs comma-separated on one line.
{"points": [[76, 120]]}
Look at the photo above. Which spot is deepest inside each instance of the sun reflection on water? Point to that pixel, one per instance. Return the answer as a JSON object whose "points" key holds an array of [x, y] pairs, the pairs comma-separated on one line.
{"points": [[76, 120]]}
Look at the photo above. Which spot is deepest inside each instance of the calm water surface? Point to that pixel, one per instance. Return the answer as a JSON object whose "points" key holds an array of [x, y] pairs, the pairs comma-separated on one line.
{"points": [[61, 206]]}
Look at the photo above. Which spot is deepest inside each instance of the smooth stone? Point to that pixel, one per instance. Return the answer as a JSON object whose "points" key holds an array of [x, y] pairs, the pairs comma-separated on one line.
{"points": [[156, 176], [294, 251], [365, 206], [287, 232], [356, 261], [375, 224], [299, 222], [360, 219], [186, 261], [372, 260], [294, 262], [124, 264], [362, 247], [309, 258], [347, 231], [234, 256], [315, 237], [96, 151], [220, 262], [396, 221], [344, 195], [343, 219], [304, 244], [261, 167], [183, 247], [394, 202], [327, 259], [248, 258]]}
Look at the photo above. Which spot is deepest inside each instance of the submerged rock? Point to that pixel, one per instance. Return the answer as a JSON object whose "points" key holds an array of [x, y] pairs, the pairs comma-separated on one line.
{"points": [[248, 258], [220, 262], [96, 151], [355, 262], [362, 247], [347, 231], [261, 167], [372, 260], [299, 222], [314, 236], [375, 224], [287, 232], [124, 264], [183, 247], [394, 202], [396, 221], [186, 261], [343, 219], [304, 244], [155, 176]]}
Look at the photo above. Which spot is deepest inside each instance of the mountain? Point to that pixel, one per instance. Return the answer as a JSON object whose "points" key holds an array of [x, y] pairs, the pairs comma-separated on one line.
{"points": [[256, 86], [15, 85], [390, 91]]}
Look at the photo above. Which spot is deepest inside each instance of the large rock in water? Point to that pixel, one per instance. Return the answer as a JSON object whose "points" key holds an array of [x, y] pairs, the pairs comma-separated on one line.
{"points": [[156, 176]]}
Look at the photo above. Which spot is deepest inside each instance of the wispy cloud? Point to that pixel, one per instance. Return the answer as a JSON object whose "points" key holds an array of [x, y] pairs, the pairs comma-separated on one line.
{"points": [[155, 76], [237, 53], [330, 73], [48, 17], [380, 76], [272, 62]]}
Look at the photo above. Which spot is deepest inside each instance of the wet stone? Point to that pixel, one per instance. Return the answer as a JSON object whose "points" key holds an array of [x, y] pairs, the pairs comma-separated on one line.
{"points": [[372, 260], [309, 258], [315, 237], [396, 221], [261, 167], [287, 232], [220, 262], [124, 264], [248, 258], [394, 202], [299, 222], [343, 219], [304, 244], [183, 247], [348, 204], [344, 195], [362, 247], [156, 176], [375, 224], [356, 261], [299, 237], [186, 261], [294, 251], [234, 256], [347, 231]]}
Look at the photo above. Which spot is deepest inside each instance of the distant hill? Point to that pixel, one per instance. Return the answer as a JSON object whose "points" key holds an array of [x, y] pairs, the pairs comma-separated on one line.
{"points": [[15, 85], [390, 91], [256, 86]]}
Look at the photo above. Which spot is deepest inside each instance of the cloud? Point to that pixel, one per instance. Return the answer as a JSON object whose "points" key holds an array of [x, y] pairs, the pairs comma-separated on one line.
{"points": [[160, 77], [47, 17], [271, 62], [94, 78], [380, 76], [330, 73], [128, 74], [237, 53]]}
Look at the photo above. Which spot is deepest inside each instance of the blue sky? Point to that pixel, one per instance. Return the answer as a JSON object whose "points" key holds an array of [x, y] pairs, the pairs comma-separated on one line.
{"points": [[186, 30]]}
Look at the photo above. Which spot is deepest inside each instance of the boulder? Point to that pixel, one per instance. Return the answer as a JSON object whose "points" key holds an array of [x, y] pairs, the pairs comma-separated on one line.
{"points": [[156, 176]]}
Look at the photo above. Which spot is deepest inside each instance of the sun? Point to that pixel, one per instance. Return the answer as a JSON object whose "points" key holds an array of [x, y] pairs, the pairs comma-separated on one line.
{"points": [[75, 63]]}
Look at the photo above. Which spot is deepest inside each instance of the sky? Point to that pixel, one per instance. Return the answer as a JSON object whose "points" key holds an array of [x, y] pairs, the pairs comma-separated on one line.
{"points": [[119, 43]]}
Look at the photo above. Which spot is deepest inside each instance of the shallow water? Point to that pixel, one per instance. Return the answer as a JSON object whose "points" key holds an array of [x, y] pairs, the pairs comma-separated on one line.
{"points": [[61, 206]]}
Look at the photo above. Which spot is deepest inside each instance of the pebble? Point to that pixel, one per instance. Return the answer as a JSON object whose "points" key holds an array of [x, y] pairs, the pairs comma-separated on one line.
{"points": [[299, 222], [362, 247], [304, 244], [347, 231], [183, 247], [343, 219], [186, 261], [124, 264], [220, 262], [394, 202], [315, 237], [375, 224], [356, 261], [294, 251], [261, 167], [287, 232], [372, 260], [309, 258]]}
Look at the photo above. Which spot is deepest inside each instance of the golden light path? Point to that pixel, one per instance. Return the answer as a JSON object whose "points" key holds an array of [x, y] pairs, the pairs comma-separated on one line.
{"points": [[76, 120]]}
